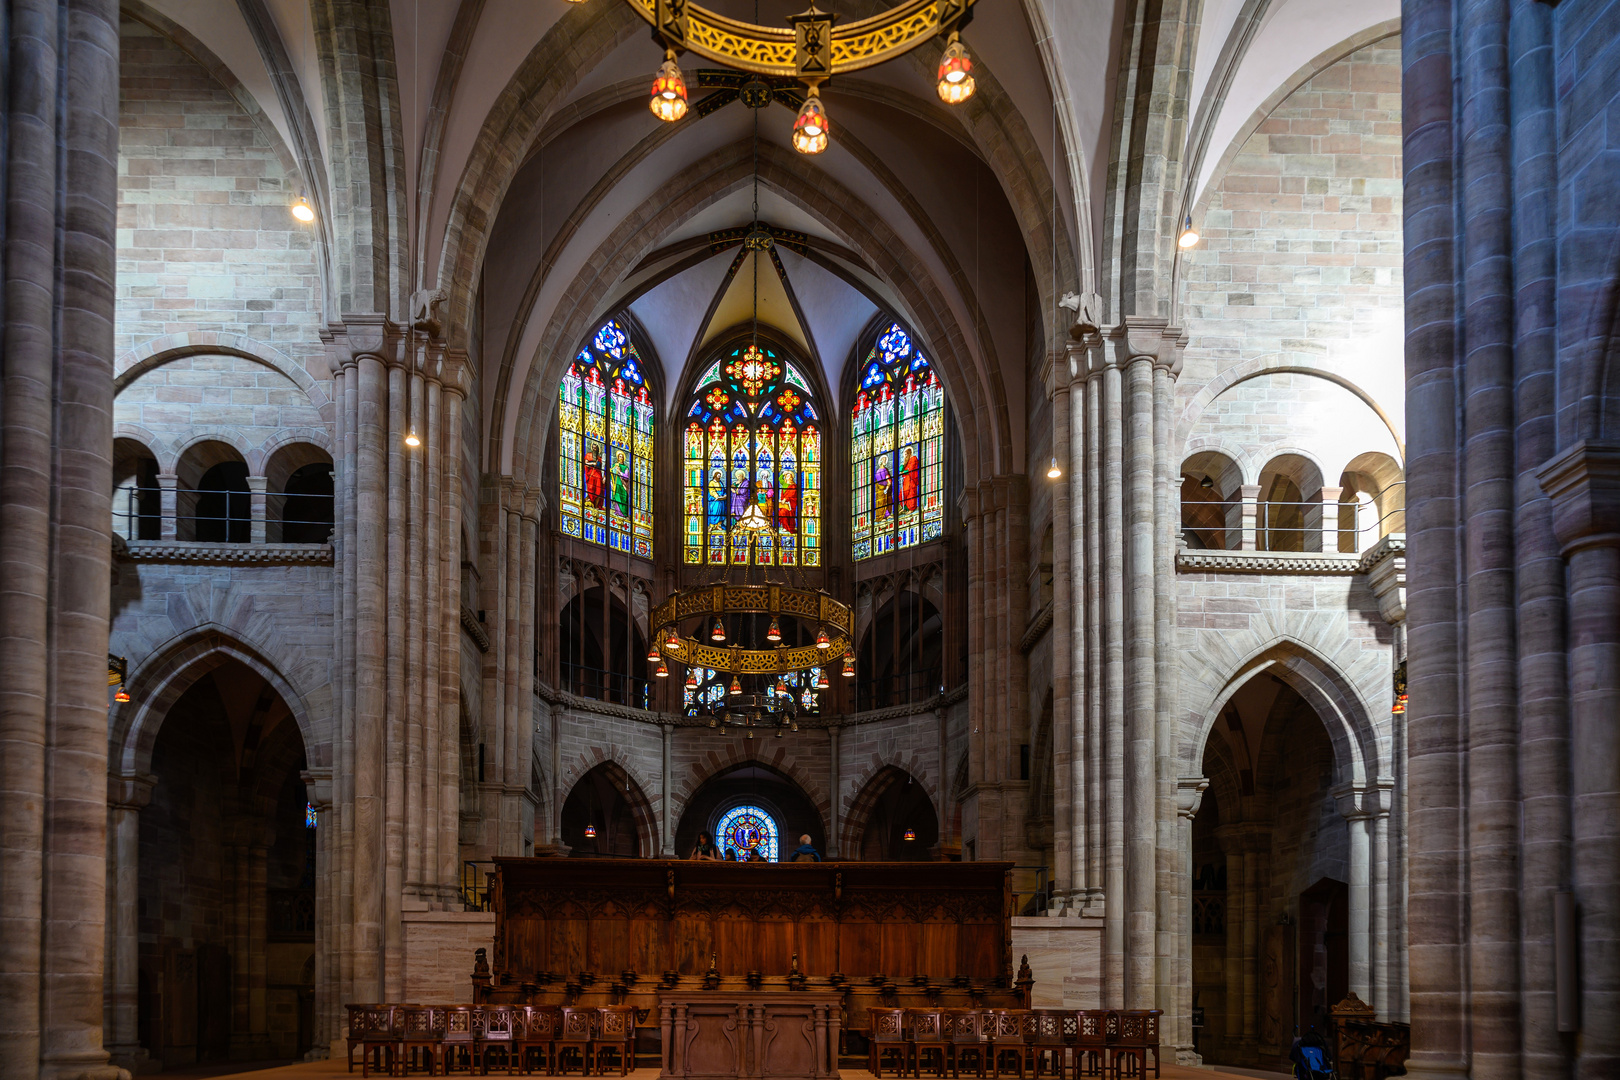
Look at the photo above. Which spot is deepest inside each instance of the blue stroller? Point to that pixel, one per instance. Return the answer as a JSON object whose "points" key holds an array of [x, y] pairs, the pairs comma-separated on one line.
{"points": [[1312, 1064]]}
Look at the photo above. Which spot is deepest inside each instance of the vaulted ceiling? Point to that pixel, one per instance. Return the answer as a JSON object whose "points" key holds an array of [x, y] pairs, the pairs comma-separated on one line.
{"points": [[537, 184]]}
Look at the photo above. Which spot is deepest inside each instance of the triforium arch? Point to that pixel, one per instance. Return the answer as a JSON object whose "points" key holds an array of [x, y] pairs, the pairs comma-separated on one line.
{"points": [[600, 802], [873, 790]]}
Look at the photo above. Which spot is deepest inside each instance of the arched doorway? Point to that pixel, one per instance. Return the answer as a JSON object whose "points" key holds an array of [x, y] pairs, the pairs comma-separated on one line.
{"points": [[225, 877], [755, 788], [892, 819], [1270, 855], [606, 814]]}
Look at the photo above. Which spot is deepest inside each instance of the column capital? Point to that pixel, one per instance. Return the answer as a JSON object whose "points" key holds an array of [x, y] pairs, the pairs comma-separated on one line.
{"points": [[129, 791], [1385, 566], [1190, 795], [318, 787], [1361, 799], [453, 372], [1583, 483], [1141, 337]]}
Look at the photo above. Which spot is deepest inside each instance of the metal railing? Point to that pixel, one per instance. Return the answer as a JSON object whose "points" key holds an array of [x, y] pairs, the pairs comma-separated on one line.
{"points": [[475, 889], [1286, 525], [614, 687], [906, 688], [291, 915], [1031, 890], [142, 516]]}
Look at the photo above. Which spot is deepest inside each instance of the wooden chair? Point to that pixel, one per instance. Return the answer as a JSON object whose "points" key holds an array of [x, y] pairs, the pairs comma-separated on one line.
{"points": [[928, 1036], [497, 1036], [534, 1033], [965, 1029], [886, 1036], [463, 1030], [421, 1037], [371, 1028], [616, 1034], [1004, 1031], [1091, 1042], [576, 1032], [1138, 1035], [1048, 1034]]}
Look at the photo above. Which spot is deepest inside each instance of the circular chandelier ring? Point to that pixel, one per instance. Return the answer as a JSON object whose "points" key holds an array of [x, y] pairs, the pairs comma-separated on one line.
{"points": [[734, 659]]}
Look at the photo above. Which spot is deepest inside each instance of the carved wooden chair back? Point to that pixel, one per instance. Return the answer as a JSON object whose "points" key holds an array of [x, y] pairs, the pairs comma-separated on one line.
{"points": [[1004, 1028], [1139, 1036], [1046, 1032], [371, 1027], [928, 1038], [576, 1032], [421, 1033], [966, 1030], [1091, 1042], [887, 1038], [616, 1034]]}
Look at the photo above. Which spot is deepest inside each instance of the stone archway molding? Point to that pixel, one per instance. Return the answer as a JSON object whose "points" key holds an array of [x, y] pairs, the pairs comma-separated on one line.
{"points": [[159, 681], [153, 354], [737, 751], [1277, 364], [647, 817], [871, 785]]}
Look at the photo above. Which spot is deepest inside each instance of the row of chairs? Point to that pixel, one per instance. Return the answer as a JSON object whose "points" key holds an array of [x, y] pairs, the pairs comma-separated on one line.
{"points": [[440, 1039], [1089, 1042]]}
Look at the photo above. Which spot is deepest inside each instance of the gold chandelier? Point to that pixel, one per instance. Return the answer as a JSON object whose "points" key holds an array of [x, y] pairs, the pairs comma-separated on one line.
{"points": [[812, 50], [708, 606]]}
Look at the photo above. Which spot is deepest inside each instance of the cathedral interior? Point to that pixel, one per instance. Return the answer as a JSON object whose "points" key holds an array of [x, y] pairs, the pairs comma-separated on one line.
{"points": [[1161, 446]]}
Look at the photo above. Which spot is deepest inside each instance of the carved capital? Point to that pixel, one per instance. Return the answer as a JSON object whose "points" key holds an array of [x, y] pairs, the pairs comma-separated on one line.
{"points": [[318, 787], [1190, 795], [130, 791], [1358, 800], [1583, 483], [1385, 566]]}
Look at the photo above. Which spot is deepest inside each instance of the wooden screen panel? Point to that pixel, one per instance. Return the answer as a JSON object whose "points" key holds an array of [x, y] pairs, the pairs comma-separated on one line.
{"points": [[902, 946], [939, 958], [775, 944], [649, 944], [609, 948], [818, 946], [736, 940], [981, 945], [860, 948], [691, 946]]}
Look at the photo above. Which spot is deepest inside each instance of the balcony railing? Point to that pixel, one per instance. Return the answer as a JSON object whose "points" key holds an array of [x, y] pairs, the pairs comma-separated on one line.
{"points": [[1330, 527], [611, 686], [908, 688], [223, 516]]}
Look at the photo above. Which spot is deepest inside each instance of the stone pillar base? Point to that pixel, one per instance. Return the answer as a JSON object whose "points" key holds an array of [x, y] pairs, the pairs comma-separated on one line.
{"points": [[133, 1059], [1185, 1055]]}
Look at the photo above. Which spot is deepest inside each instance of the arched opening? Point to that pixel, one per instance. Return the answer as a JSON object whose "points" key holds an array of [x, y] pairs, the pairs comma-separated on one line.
{"points": [[214, 503], [1268, 940], [606, 814], [604, 653], [1290, 510], [1372, 501], [893, 820], [774, 794], [1211, 502], [226, 878], [137, 502], [299, 502], [900, 656]]}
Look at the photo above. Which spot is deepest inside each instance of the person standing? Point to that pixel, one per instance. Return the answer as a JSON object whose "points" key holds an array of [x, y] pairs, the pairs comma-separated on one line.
{"points": [[805, 852]]}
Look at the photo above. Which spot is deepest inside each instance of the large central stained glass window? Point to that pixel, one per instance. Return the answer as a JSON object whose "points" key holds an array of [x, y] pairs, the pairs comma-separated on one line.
{"points": [[897, 449], [742, 827], [605, 466], [753, 437]]}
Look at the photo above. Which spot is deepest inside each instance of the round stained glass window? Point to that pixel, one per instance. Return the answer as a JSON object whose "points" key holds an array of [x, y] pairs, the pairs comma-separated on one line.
{"points": [[742, 826]]}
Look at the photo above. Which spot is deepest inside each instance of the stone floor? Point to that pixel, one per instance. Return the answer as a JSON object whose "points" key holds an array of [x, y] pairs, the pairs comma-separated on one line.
{"points": [[331, 1070]]}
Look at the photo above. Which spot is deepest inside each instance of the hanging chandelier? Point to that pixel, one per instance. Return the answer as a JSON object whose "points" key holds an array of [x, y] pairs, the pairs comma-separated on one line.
{"points": [[811, 51]]}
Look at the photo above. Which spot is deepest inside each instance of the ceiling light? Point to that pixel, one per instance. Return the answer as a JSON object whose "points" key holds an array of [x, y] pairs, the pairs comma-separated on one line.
{"points": [[811, 127], [822, 640], [122, 695], [411, 439], [653, 654], [736, 687], [775, 632], [669, 90], [849, 665], [821, 679], [303, 211], [955, 73], [662, 671], [911, 834], [718, 631], [691, 679], [590, 832], [1052, 470], [672, 641], [1189, 235]]}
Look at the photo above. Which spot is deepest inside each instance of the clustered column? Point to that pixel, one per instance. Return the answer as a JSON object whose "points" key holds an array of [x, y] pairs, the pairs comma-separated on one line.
{"points": [[390, 837], [59, 146], [1115, 547]]}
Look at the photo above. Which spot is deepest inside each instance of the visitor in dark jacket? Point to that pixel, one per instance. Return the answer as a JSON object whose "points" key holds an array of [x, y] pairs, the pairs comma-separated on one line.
{"points": [[804, 852]]}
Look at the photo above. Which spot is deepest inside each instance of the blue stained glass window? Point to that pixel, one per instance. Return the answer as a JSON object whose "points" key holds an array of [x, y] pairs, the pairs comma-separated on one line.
{"points": [[605, 467], [310, 820], [897, 449], [741, 826]]}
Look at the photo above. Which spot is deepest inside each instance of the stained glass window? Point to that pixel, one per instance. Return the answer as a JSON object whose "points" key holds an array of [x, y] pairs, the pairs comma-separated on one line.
{"points": [[310, 818], [605, 467], [753, 438], [897, 448], [710, 691], [742, 826]]}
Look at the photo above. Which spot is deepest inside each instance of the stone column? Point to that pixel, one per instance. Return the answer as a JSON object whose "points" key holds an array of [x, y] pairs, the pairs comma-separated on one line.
{"points": [[1068, 857], [1113, 686], [1353, 804], [168, 505], [1248, 516], [126, 796], [1380, 800], [257, 531], [1231, 841], [666, 796], [1327, 537], [834, 799], [454, 381], [1189, 796], [1090, 424], [1584, 486], [318, 791], [60, 152]]}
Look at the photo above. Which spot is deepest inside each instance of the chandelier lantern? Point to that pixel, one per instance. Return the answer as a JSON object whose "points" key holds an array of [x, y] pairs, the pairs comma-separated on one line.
{"points": [[669, 90]]}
